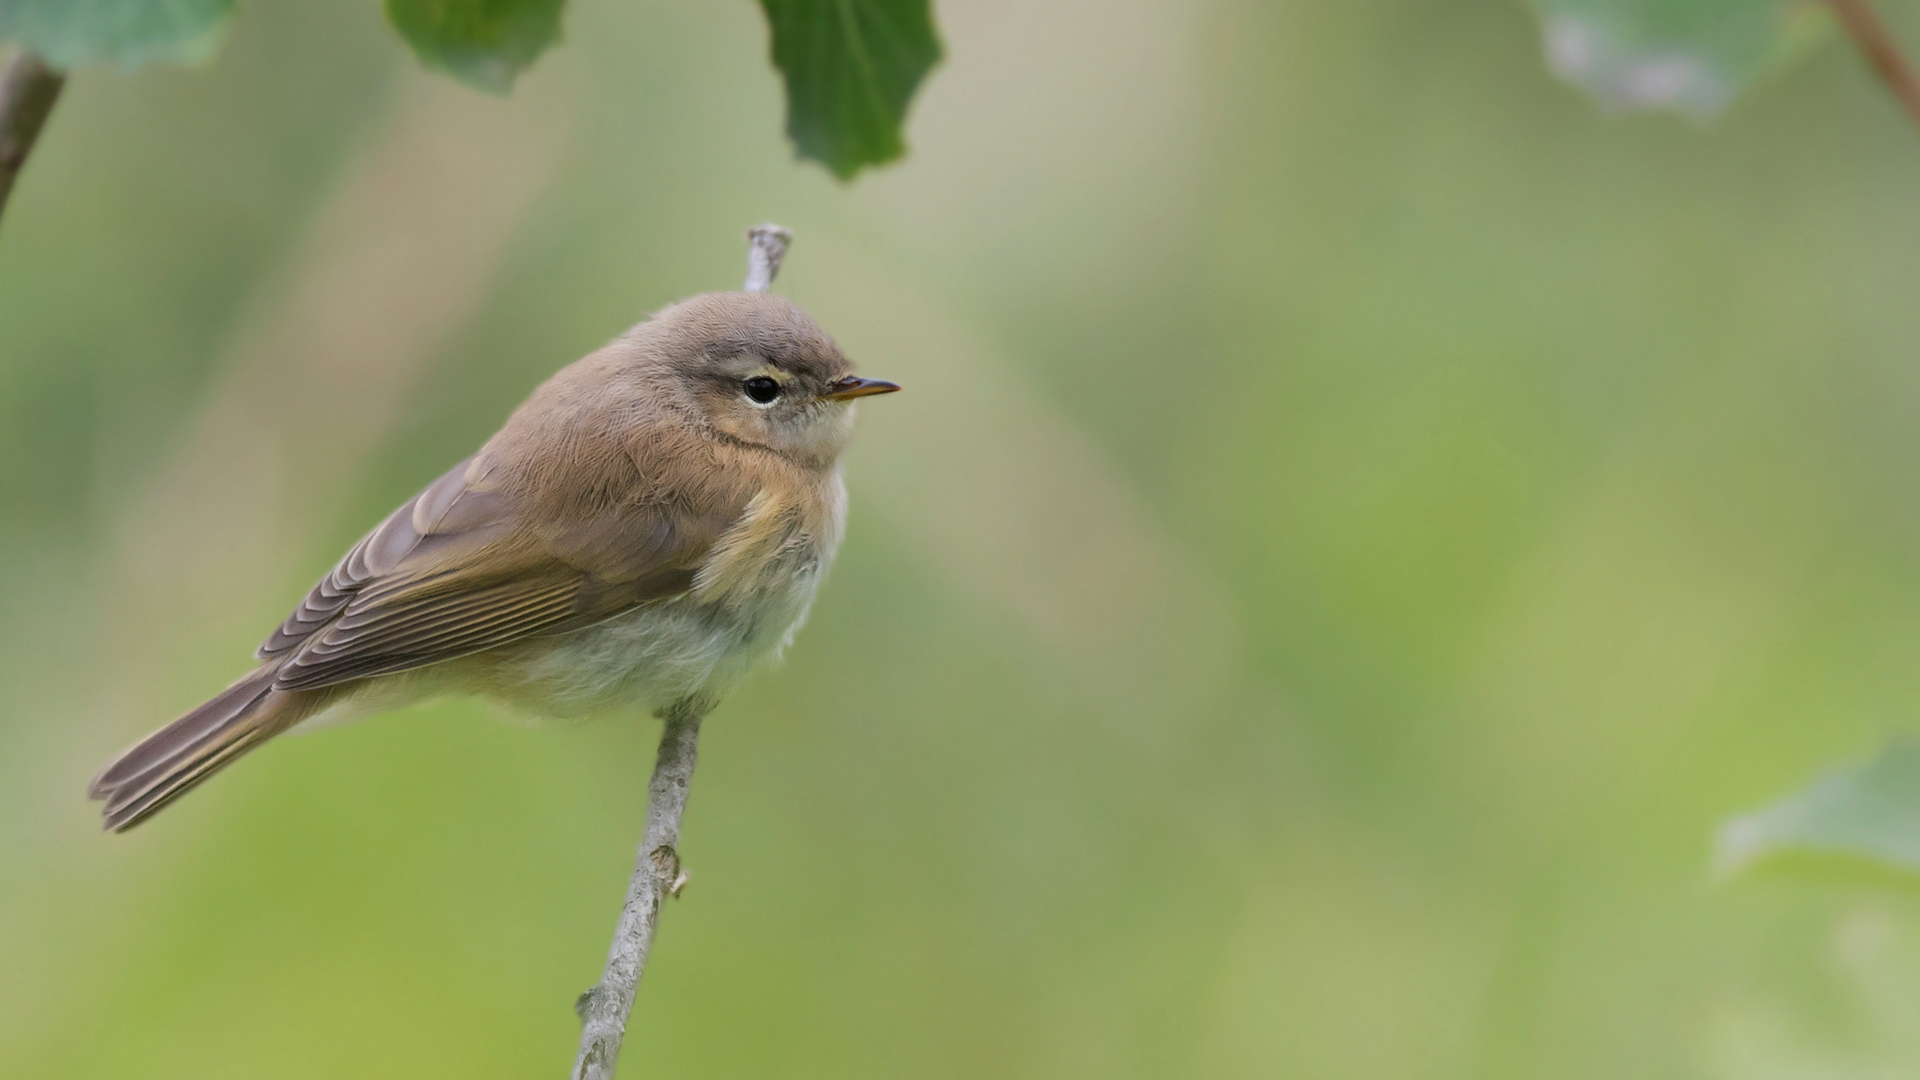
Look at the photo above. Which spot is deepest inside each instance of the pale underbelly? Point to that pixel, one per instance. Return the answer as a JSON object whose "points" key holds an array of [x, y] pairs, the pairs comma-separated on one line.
{"points": [[648, 658]]}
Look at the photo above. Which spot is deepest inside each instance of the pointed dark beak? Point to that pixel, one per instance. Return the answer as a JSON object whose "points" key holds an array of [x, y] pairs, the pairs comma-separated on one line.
{"points": [[854, 386]]}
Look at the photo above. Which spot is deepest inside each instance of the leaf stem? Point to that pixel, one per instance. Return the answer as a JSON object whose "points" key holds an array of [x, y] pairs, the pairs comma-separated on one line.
{"points": [[28, 90], [1876, 43]]}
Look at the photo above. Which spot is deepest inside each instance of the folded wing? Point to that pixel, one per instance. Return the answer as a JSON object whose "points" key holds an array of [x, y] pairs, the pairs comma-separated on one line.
{"points": [[462, 568]]}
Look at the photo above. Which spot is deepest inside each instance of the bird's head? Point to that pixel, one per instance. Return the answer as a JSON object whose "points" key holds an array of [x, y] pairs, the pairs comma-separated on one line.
{"points": [[759, 370]]}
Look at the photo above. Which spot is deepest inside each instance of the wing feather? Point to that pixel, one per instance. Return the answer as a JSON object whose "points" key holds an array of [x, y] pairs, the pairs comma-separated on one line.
{"points": [[406, 631], [459, 569]]}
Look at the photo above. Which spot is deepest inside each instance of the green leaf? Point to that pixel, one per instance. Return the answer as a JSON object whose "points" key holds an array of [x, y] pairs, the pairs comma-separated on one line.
{"points": [[483, 43], [1689, 56], [851, 67], [1870, 813], [73, 32]]}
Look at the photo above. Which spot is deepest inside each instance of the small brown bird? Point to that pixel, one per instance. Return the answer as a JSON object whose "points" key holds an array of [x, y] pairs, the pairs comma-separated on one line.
{"points": [[652, 521]]}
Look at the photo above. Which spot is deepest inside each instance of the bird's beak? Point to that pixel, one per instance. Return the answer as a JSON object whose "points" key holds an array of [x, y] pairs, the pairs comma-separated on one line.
{"points": [[854, 386]]}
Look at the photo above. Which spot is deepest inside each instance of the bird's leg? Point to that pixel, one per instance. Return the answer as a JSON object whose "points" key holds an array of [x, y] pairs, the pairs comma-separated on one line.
{"points": [[605, 1008]]}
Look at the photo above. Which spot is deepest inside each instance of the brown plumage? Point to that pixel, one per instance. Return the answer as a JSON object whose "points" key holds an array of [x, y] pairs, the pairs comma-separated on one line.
{"points": [[647, 525]]}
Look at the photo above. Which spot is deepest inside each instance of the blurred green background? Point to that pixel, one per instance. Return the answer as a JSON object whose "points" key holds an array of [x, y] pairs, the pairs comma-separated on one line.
{"points": [[1360, 518]]}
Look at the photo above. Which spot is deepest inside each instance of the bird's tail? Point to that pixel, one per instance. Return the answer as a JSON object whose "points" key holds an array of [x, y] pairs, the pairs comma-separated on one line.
{"points": [[166, 764]]}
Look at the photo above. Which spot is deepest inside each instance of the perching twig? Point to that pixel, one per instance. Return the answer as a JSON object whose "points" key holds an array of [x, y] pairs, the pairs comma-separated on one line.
{"points": [[27, 93], [766, 246], [1876, 43], [604, 1009]]}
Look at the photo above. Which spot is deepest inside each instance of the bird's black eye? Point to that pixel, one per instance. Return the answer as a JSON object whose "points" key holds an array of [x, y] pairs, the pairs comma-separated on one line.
{"points": [[761, 389]]}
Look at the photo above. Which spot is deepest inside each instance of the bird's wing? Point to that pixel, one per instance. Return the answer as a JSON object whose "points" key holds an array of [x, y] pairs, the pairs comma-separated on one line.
{"points": [[459, 569]]}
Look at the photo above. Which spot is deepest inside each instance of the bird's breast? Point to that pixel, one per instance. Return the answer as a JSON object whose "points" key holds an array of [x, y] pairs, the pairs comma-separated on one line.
{"points": [[748, 599]]}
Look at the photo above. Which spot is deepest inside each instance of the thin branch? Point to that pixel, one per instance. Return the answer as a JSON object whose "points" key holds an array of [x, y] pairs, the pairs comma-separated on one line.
{"points": [[1876, 43], [766, 246], [604, 1009], [27, 93]]}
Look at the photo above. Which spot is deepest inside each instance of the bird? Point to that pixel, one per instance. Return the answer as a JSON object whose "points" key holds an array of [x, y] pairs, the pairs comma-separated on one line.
{"points": [[653, 521]]}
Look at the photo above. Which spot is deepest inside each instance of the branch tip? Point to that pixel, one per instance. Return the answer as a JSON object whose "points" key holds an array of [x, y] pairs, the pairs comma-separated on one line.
{"points": [[766, 246]]}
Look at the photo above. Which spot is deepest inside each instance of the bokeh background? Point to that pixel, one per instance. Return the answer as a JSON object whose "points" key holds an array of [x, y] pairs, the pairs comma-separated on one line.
{"points": [[1359, 520]]}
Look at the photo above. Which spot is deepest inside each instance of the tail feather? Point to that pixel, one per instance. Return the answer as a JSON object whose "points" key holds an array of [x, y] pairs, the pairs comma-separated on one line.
{"points": [[171, 761]]}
